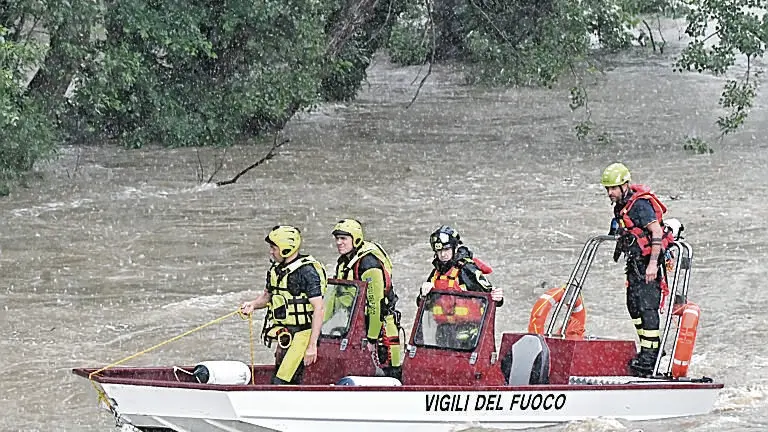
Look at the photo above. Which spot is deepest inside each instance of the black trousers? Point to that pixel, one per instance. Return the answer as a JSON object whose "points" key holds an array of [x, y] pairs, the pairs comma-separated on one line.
{"points": [[643, 300]]}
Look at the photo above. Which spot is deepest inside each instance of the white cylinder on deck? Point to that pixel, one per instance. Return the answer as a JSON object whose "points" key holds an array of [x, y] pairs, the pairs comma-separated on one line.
{"points": [[369, 381], [230, 372]]}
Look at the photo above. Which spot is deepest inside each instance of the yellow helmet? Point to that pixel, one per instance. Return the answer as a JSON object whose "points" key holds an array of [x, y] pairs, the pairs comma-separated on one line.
{"points": [[615, 174], [287, 238], [352, 228]]}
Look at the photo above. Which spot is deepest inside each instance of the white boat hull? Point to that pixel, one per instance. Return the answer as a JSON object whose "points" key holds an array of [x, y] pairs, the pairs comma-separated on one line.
{"points": [[418, 410]]}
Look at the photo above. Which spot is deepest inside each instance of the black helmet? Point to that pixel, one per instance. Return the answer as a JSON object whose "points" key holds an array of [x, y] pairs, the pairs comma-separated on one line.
{"points": [[442, 238]]}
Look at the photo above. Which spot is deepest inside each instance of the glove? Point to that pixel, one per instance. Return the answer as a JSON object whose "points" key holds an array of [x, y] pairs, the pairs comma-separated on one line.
{"points": [[617, 252], [497, 294], [426, 287]]}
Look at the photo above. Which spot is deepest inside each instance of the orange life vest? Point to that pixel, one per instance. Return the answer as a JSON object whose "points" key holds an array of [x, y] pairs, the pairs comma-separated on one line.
{"points": [[641, 235], [453, 309]]}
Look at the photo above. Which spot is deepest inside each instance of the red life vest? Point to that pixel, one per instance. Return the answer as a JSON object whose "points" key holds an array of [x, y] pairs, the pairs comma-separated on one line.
{"points": [[642, 236], [453, 309]]}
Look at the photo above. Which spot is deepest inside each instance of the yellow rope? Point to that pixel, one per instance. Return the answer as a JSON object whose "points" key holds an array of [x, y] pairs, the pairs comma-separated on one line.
{"points": [[253, 347], [249, 317], [103, 396]]}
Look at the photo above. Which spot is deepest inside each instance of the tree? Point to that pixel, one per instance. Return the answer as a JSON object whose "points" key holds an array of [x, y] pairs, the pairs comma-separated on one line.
{"points": [[722, 32], [526, 42], [26, 135], [183, 72]]}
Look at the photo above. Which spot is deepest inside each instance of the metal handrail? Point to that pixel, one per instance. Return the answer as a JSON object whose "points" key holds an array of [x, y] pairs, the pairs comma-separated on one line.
{"points": [[683, 262], [680, 282], [573, 287]]}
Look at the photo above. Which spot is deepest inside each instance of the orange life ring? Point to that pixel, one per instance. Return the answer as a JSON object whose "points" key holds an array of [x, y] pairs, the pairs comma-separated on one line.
{"points": [[686, 339], [544, 304]]}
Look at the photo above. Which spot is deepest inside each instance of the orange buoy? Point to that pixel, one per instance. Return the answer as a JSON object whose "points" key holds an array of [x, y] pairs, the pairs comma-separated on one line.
{"points": [[545, 303], [483, 266], [686, 339]]}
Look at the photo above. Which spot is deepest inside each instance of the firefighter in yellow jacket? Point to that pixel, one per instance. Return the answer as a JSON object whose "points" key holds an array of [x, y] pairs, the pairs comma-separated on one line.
{"points": [[367, 261], [294, 301]]}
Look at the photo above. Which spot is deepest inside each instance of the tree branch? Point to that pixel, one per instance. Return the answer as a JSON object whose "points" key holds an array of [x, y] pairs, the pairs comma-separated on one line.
{"points": [[749, 69], [77, 165], [490, 21], [384, 25], [218, 166], [421, 44], [431, 60], [661, 35], [200, 168], [650, 35], [349, 24], [270, 154]]}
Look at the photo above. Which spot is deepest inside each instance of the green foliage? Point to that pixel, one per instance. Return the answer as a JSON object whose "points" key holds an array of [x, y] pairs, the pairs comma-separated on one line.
{"points": [[199, 72], [345, 69], [722, 32], [190, 73], [578, 97], [517, 42], [411, 41], [175, 73], [26, 133], [583, 128], [610, 21], [666, 8], [697, 145], [737, 98]]}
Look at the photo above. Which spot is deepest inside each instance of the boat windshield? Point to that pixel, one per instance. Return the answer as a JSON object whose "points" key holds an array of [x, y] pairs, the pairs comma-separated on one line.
{"points": [[451, 321], [339, 303]]}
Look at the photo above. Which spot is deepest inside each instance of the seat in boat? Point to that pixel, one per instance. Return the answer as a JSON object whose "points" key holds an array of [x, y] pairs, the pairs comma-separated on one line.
{"points": [[527, 361]]}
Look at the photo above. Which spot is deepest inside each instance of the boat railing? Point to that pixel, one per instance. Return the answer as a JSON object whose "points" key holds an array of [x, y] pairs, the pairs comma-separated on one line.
{"points": [[575, 283], [681, 258]]}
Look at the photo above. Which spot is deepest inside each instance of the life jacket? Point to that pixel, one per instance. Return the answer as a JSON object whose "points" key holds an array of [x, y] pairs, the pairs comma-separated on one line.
{"points": [[640, 234], [454, 309], [289, 310], [351, 271]]}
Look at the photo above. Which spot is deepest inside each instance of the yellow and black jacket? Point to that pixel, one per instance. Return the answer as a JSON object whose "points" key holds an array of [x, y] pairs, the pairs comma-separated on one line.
{"points": [[290, 287], [371, 264]]}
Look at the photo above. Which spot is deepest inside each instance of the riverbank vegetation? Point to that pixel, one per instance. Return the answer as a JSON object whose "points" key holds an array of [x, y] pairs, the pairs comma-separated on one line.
{"points": [[197, 73]]}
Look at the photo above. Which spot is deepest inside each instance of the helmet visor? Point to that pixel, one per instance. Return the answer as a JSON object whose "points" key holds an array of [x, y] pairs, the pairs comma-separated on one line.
{"points": [[441, 241]]}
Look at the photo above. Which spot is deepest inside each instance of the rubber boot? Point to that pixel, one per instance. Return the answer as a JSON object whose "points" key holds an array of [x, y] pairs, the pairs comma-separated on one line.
{"points": [[643, 363], [394, 372]]}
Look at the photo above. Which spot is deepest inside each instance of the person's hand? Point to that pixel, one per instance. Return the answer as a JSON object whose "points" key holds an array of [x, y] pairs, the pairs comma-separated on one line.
{"points": [[247, 308], [651, 272], [371, 346], [310, 355], [497, 294], [426, 287]]}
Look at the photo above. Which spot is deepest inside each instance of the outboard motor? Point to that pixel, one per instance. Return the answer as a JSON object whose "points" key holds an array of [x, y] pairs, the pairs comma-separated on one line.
{"points": [[527, 362], [369, 381], [222, 372]]}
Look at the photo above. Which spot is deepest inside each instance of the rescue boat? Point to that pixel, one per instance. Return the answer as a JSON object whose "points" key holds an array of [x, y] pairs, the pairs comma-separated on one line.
{"points": [[548, 375]]}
